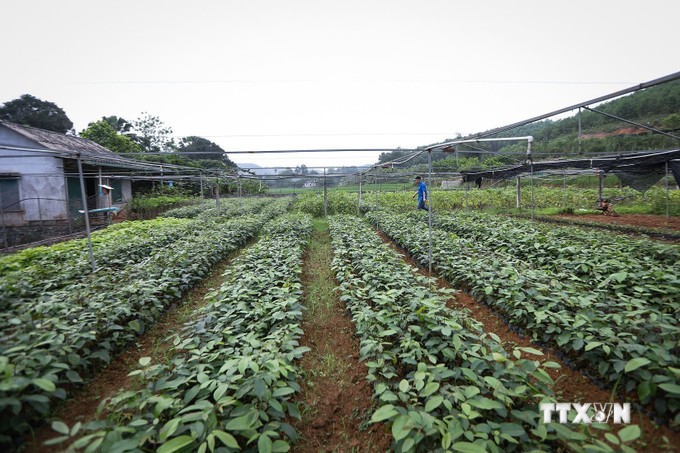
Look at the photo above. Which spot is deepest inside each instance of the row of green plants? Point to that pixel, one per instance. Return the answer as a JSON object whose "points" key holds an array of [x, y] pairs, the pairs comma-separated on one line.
{"points": [[148, 206], [634, 271], [550, 199], [442, 384], [233, 207], [27, 274], [190, 211], [569, 200], [229, 378], [229, 207], [622, 340], [55, 340], [338, 202]]}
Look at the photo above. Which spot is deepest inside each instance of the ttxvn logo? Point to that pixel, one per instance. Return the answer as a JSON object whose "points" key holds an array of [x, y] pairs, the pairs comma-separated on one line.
{"points": [[586, 412]]}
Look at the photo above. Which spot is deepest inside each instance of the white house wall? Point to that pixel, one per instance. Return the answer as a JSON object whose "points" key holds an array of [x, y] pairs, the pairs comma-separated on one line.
{"points": [[41, 184]]}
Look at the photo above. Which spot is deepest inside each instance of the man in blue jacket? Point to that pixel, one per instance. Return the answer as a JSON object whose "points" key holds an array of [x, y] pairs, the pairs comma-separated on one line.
{"points": [[422, 193]]}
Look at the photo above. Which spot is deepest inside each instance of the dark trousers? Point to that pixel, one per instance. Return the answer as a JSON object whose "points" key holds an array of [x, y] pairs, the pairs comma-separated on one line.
{"points": [[422, 205]]}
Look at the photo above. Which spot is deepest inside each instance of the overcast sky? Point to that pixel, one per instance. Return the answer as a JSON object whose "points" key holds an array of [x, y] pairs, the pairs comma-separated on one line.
{"points": [[269, 75]]}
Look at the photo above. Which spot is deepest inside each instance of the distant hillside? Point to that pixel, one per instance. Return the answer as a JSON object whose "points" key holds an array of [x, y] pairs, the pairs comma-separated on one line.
{"points": [[658, 107], [257, 169]]}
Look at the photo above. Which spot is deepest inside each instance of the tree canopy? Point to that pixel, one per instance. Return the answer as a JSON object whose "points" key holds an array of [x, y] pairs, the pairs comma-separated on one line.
{"points": [[152, 135], [31, 111], [103, 133], [204, 149]]}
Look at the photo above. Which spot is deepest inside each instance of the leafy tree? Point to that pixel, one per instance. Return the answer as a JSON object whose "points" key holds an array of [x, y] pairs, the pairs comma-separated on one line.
{"points": [[103, 133], [152, 135], [31, 111], [120, 125], [194, 144]]}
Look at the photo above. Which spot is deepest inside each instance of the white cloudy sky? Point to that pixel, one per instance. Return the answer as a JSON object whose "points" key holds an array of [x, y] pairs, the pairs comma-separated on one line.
{"points": [[300, 74]]}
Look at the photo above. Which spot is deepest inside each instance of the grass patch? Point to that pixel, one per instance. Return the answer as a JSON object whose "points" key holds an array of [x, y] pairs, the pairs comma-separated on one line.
{"points": [[320, 288]]}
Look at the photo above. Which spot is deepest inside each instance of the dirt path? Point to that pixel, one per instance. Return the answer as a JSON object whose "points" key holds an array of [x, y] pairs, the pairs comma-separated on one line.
{"points": [[636, 220], [570, 385], [336, 401], [83, 403]]}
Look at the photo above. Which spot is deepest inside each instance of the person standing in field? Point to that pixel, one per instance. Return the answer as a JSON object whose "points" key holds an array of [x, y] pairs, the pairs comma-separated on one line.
{"points": [[422, 193]]}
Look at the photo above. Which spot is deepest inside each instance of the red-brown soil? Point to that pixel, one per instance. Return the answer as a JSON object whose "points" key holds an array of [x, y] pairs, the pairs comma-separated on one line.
{"points": [[570, 385], [622, 131], [336, 401], [636, 220]]}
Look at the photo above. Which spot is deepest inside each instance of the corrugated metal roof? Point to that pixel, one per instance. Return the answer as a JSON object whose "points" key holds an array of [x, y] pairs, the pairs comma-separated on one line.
{"points": [[69, 146], [56, 141]]}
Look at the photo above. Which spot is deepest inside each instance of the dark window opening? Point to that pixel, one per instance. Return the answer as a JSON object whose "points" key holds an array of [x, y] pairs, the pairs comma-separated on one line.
{"points": [[9, 194]]}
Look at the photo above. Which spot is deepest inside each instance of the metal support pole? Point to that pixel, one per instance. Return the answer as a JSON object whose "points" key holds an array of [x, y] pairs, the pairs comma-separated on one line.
{"points": [[667, 199], [217, 197], [600, 189], [467, 187], [240, 194], [429, 211], [359, 199], [40, 218], [86, 213], [101, 190], [375, 194], [580, 149], [519, 192], [2, 218], [532, 191], [68, 208], [325, 194], [201, 178], [564, 190]]}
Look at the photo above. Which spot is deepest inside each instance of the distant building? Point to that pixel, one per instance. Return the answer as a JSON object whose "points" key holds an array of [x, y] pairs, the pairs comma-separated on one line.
{"points": [[452, 184]]}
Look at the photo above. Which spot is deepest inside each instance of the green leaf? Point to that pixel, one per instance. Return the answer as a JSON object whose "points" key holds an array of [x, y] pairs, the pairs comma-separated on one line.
{"points": [[512, 429], [634, 364], [45, 384], [483, 402], [401, 427], [611, 438], [385, 412], [645, 389], [282, 391], [144, 361], [620, 276], [175, 444], [670, 388], [227, 439], [169, 429], [220, 391], [239, 423], [467, 447], [429, 389], [404, 386], [135, 325], [433, 403], [531, 350], [280, 446], [593, 345], [629, 433], [264, 444], [60, 427], [498, 358]]}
